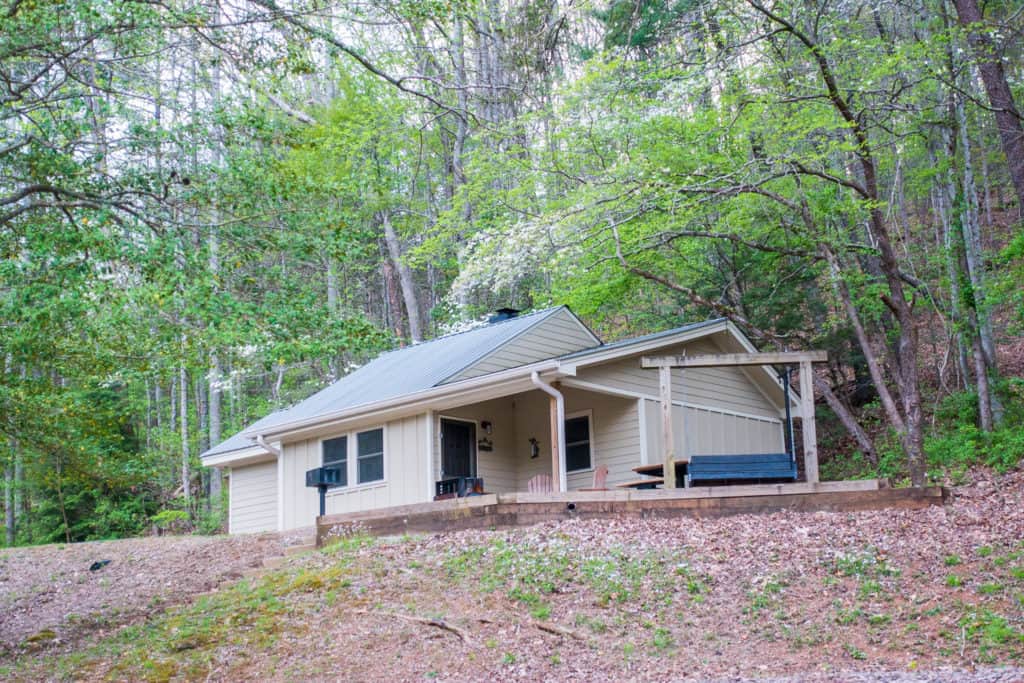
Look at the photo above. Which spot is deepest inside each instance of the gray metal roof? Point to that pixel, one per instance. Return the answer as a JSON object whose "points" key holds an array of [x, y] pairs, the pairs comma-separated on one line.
{"points": [[239, 442], [410, 369], [420, 367]]}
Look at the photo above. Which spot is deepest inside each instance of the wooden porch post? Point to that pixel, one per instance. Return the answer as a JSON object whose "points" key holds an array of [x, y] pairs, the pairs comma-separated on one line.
{"points": [[669, 443], [808, 427], [555, 458]]}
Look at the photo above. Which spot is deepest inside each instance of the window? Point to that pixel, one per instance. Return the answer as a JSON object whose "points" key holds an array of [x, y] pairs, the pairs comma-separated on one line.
{"points": [[577, 443], [336, 455], [370, 455]]}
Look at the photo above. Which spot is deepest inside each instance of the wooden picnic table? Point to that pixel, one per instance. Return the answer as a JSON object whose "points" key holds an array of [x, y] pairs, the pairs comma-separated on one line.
{"points": [[648, 483], [658, 469]]}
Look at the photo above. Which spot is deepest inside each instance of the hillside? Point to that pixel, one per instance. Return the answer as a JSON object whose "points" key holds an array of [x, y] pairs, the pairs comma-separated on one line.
{"points": [[935, 594]]}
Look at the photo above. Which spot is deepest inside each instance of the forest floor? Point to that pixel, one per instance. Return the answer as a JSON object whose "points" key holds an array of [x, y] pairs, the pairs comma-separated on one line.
{"points": [[922, 595]]}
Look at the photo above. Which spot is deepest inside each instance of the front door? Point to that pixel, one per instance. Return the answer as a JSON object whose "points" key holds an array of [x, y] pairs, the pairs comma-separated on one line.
{"points": [[458, 449]]}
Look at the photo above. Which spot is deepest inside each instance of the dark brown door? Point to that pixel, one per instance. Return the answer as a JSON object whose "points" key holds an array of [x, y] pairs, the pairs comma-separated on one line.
{"points": [[458, 449]]}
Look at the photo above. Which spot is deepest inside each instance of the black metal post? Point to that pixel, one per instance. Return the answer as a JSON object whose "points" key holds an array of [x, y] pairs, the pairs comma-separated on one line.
{"points": [[791, 445], [322, 488]]}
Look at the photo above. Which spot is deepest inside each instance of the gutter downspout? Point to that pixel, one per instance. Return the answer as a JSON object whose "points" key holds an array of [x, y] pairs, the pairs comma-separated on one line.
{"points": [[262, 443], [560, 416]]}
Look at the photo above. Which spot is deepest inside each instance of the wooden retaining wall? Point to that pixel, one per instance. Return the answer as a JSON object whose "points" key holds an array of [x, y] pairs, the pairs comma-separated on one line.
{"points": [[497, 511]]}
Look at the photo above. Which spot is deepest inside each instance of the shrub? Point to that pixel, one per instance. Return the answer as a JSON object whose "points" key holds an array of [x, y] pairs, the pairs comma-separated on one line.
{"points": [[967, 445]]}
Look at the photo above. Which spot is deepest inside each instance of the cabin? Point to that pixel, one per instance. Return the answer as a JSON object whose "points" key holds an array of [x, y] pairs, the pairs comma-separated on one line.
{"points": [[524, 398]]}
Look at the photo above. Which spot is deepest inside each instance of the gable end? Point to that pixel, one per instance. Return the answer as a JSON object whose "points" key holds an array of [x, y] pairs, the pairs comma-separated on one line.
{"points": [[556, 335]]}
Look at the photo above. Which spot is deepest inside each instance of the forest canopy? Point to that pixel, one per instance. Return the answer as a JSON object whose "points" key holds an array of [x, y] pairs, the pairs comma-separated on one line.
{"points": [[212, 209]]}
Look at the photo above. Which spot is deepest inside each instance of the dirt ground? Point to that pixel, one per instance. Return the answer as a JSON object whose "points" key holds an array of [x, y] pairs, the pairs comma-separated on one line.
{"points": [[49, 593], [894, 595]]}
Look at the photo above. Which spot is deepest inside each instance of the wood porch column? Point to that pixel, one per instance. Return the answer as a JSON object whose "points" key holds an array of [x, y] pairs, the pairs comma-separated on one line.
{"points": [[668, 439], [555, 458], [808, 427]]}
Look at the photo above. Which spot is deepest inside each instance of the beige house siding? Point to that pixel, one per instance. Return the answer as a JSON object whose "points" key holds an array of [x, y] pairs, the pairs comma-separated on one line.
{"points": [[725, 411], [301, 504], [559, 334], [252, 498], [726, 388], [616, 428], [614, 425], [498, 466], [405, 474], [533, 419], [707, 431]]}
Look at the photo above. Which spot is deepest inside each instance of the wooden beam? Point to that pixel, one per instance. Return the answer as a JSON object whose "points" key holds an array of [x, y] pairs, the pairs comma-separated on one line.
{"points": [[668, 439], [808, 426], [715, 360], [555, 464]]}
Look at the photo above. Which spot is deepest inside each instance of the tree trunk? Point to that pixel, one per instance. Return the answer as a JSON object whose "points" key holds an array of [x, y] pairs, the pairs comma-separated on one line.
{"points": [[945, 202], [149, 416], [333, 371], [874, 367], [905, 353], [332, 287], [203, 436], [173, 423], [60, 501], [186, 457], [973, 260], [9, 504], [864, 442], [278, 381], [214, 402], [392, 299], [984, 395], [158, 403], [1008, 119], [213, 384], [408, 286]]}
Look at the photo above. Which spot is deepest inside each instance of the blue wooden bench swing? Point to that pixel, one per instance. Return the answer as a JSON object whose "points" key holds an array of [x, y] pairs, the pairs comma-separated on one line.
{"points": [[759, 467], [756, 466]]}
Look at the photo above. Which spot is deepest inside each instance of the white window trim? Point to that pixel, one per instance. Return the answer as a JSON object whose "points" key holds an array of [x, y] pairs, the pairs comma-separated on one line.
{"points": [[351, 460], [589, 414], [348, 458], [354, 455]]}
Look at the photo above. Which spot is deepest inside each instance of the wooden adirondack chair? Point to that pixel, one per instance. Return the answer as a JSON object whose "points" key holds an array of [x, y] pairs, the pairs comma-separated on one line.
{"points": [[600, 479], [540, 484]]}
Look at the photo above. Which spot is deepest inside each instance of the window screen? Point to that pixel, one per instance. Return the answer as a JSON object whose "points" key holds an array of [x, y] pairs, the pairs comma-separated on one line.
{"points": [[577, 444], [370, 457]]}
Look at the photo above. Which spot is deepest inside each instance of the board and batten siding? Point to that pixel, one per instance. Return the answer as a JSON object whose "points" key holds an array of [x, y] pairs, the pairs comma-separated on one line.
{"points": [[405, 475], [557, 335], [615, 427], [707, 431], [728, 388], [497, 466], [725, 411], [252, 498]]}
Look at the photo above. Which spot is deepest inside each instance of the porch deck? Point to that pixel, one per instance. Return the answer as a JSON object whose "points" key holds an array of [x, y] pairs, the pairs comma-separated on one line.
{"points": [[505, 510]]}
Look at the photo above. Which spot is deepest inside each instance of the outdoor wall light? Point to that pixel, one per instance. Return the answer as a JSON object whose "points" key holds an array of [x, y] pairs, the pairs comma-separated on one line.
{"points": [[534, 448], [486, 426]]}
